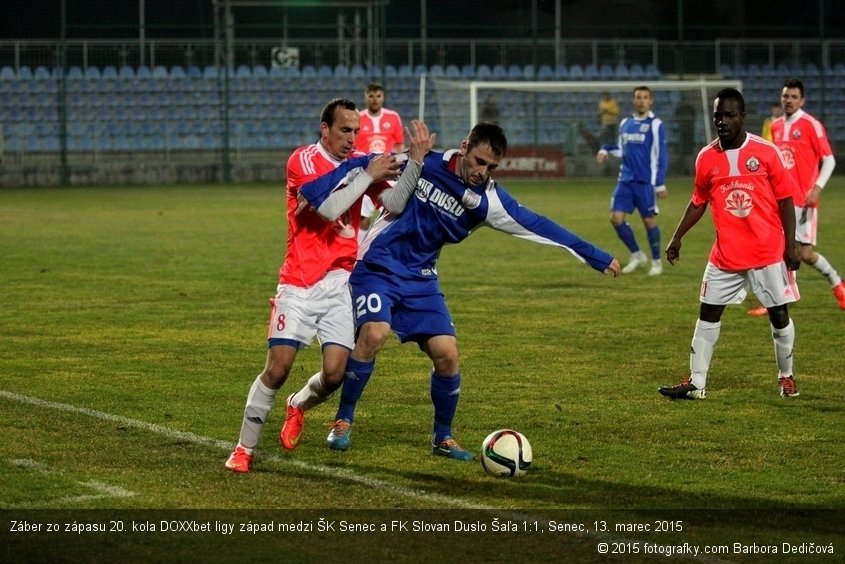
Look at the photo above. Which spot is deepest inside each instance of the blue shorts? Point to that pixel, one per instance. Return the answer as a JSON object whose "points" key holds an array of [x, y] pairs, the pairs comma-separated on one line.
{"points": [[415, 309], [634, 195]]}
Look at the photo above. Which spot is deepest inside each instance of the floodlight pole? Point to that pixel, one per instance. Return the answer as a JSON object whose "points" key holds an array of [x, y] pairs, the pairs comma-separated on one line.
{"points": [[142, 32], [63, 168]]}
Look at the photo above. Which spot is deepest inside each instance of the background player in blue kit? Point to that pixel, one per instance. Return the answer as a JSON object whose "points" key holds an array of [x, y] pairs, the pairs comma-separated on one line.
{"points": [[642, 175], [395, 286]]}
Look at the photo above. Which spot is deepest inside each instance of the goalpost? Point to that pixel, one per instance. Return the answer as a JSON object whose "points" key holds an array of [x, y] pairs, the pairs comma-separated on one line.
{"points": [[565, 114]]}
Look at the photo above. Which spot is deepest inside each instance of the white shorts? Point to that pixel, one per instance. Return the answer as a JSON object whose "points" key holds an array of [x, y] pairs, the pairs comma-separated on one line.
{"points": [[773, 285], [323, 310], [805, 231]]}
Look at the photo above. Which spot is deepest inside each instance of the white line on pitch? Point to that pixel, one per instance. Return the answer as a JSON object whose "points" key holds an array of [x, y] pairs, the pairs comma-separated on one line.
{"points": [[332, 472], [173, 434], [104, 491]]}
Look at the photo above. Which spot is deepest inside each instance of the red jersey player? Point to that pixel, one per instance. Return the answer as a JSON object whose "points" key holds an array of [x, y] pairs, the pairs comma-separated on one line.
{"points": [[312, 298], [803, 141], [744, 179], [381, 132], [381, 129]]}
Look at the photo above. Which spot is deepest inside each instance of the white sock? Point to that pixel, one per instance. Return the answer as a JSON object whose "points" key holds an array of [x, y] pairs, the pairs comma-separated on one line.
{"points": [[259, 402], [312, 394], [827, 270], [701, 351], [784, 340]]}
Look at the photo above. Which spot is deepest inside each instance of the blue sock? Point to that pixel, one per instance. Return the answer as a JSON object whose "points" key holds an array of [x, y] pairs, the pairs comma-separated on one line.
{"points": [[626, 234], [357, 375], [445, 392], [654, 242]]}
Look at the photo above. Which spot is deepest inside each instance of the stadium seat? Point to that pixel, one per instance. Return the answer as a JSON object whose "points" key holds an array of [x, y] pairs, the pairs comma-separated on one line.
{"points": [[483, 72], [452, 71], [420, 70], [126, 73], [390, 71], [7, 73], [576, 72], [620, 72], [468, 72], [651, 71], [436, 71], [325, 72], [75, 73], [308, 71], [109, 72], [500, 72], [341, 71], [606, 72], [515, 72], [243, 71], [561, 72], [636, 71], [24, 73], [143, 72], [591, 72], [259, 71], [529, 72], [357, 71], [41, 73], [92, 72], [210, 71], [545, 72]]}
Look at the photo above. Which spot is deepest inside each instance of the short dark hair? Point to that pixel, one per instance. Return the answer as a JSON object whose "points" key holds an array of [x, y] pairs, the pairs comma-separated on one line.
{"points": [[726, 93], [794, 83], [643, 87], [374, 87], [327, 115], [490, 133]]}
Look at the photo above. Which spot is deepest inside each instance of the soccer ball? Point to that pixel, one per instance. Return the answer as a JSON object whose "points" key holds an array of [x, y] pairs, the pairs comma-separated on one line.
{"points": [[506, 454]]}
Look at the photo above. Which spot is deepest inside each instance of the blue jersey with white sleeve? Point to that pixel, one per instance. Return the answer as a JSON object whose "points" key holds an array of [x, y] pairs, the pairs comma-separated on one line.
{"points": [[642, 146], [444, 209]]}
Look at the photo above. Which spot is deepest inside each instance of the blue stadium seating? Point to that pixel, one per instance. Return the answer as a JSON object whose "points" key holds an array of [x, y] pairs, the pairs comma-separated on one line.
{"points": [[41, 73], [436, 71], [545, 72], [130, 108]]}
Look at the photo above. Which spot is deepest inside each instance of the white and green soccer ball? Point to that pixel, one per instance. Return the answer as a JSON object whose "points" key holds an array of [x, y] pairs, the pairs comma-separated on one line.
{"points": [[506, 454]]}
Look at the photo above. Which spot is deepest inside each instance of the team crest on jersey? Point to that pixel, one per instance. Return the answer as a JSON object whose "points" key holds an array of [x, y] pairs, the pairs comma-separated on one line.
{"points": [[796, 134], [752, 164], [644, 127], [377, 145], [423, 189], [788, 156], [738, 203], [470, 199]]}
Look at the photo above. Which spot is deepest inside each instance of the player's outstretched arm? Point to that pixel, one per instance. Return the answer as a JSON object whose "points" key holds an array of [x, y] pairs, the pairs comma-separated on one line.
{"points": [[422, 141], [691, 216]]}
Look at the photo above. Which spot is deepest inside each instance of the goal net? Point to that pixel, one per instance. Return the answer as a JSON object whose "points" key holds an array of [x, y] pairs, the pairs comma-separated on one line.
{"points": [[564, 115]]}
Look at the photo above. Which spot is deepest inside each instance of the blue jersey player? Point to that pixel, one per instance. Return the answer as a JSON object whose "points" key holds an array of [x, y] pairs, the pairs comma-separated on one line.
{"points": [[642, 175], [395, 286]]}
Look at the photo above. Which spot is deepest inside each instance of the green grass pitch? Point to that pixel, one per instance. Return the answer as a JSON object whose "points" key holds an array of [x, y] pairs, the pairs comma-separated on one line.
{"points": [[133, 320]]}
